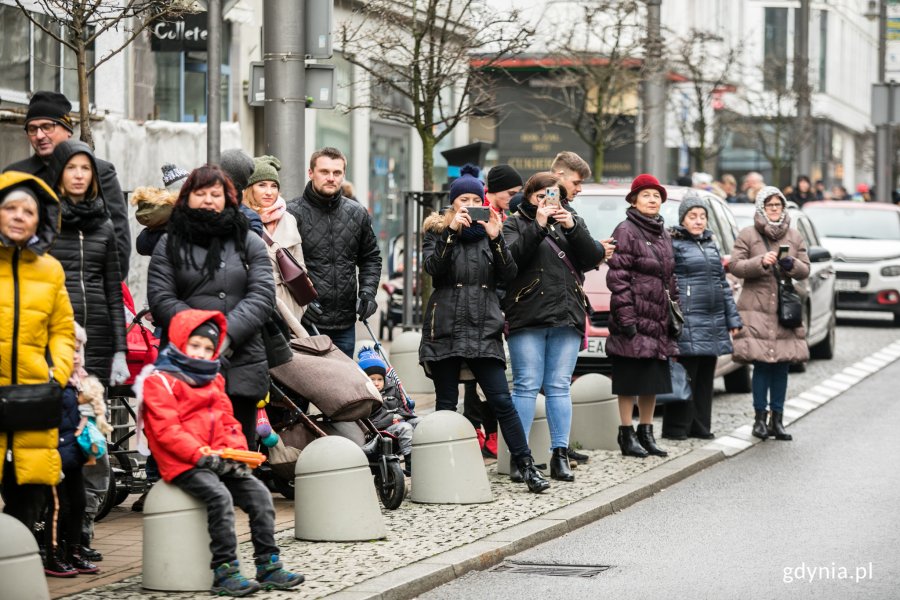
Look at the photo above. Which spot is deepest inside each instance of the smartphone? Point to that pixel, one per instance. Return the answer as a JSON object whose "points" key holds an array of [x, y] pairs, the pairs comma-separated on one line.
{"points": [[552, 197], [613, 242], [783, 251], [479, 213]]}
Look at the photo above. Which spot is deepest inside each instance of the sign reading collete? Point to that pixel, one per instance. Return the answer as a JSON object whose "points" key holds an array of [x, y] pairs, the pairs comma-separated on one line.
{"points": [[186, 33]]}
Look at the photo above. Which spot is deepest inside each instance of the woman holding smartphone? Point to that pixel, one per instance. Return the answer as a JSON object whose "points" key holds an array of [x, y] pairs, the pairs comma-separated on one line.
{"points": [[467, 258], [764, 252], [546, 307]]}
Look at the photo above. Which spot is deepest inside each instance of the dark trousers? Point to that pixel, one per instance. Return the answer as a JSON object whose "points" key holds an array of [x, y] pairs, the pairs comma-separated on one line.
{"points": [[70, 499], [477, 412], [491, 376], [221, 495], [344, 339], [25, 502], [244, 409], [770, 385], [693, 417]]}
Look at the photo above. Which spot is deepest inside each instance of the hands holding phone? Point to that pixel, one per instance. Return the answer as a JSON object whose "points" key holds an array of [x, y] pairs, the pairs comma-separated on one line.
{"points": [[549, 206], [467, 215]]}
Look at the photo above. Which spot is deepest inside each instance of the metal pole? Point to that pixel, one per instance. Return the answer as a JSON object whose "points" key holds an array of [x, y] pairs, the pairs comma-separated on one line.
{"points": [[806, 138], [213, 80], [884, 147], [285, 80], [654, 158]]}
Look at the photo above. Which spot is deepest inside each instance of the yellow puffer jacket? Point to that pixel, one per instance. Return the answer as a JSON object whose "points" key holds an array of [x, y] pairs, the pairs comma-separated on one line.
{"points": [[35, 315]]}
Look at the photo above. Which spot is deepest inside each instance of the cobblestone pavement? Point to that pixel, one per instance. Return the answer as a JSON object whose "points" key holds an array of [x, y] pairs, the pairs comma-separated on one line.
{"points": [[419, 531]]}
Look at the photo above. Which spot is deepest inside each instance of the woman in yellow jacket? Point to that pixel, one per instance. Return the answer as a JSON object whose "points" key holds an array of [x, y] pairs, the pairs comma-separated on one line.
{"points": [[35, 320]]}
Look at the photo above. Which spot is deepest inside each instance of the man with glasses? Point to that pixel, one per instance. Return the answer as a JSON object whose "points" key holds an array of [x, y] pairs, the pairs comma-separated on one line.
{"points": [[47, 124]]}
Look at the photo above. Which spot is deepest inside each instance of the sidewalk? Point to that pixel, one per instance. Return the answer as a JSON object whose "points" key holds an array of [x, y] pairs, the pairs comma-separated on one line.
{"points": [[429, 545]]}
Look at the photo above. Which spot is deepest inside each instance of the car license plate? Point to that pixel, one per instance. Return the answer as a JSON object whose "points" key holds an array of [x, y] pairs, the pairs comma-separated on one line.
{"points": [[847, 285], [596, 347]]}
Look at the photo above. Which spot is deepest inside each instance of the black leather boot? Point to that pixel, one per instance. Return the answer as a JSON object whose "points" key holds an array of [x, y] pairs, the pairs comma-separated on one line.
{"points": [[628, 442], [533, 478], [87, 552], [514, 474], [776, 427], [646, 439], [577, 456], [559, 465], [759, 425]]}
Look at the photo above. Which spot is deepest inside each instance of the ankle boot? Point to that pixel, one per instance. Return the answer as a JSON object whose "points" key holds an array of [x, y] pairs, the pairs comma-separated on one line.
{"points": [[628, 442], [87, 552], [577, 456], [646, 439], [776, 427], [759, 425], [533, 478], [75, 558], [559, 465], [514, 474]]}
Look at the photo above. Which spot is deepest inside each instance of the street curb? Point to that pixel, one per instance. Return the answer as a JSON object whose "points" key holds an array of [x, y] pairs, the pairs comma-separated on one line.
{"points": [[415, 579]]}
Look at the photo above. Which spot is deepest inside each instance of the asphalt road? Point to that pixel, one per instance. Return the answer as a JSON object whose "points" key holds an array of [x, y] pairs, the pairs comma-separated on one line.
{"points": [[814, 518]]}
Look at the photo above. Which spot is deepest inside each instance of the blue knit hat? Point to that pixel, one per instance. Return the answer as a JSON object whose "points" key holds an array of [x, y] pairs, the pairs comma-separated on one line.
{"points": [[371, 362], [467, 183]]}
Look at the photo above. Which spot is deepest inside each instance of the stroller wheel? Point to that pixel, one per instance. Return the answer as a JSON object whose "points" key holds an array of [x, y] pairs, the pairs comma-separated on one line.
{"points": [[392, 491]]}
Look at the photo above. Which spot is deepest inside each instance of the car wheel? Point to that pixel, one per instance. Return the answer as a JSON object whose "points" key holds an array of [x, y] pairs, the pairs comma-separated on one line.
{"points": [[825, 348], [738, 381]]}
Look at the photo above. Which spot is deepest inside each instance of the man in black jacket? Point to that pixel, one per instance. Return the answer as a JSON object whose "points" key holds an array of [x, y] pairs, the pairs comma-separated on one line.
{"points": [[47, 124], [337, 239]]}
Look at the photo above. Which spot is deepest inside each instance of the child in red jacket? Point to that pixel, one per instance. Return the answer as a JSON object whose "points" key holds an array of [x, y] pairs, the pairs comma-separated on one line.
{"points": [[185, 408]]}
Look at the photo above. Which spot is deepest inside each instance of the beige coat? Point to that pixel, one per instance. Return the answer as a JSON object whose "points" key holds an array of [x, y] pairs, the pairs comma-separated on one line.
{"points": [[287, 236], [763, 339]]}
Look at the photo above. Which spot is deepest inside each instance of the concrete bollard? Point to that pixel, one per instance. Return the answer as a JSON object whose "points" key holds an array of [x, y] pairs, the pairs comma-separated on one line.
{"points": [[176, 541], [538, 441], [21, 569], [334, 494], [405, 358], [595, 413], [447, 463]]}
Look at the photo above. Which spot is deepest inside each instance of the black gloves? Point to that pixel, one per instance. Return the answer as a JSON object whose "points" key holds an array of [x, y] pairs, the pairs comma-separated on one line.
{"points": [[366, 306], [213, 462], [630, 331], [223, 466]]}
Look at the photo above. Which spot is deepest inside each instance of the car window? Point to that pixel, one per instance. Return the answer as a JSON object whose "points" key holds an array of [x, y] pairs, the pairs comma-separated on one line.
{"points": [[855, 223], [813, 234], [726, 225], [804, 232]]}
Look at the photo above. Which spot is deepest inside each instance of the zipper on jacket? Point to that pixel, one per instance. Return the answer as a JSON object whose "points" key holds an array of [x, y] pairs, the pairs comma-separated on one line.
{"points": [[433, 319], [81, 280], [527, 289], [14, 378]]}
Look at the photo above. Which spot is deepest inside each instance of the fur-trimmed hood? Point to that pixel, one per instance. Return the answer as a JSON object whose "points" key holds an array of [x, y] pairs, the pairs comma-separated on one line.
{"points": [[154, 206], [439, 221]]}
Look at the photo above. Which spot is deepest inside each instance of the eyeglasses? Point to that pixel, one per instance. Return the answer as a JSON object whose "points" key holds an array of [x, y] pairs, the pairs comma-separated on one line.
{"points": [[47, 128], [773, 205]]}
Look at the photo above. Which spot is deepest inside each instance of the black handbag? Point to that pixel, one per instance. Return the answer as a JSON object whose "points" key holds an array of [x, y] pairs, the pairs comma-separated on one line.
{"points": [[790, 307], [33, 407], [681, 385]]}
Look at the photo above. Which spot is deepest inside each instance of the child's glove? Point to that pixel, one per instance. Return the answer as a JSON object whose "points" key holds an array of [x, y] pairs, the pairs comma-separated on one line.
{"points": [[236, 468], [213, 462]]}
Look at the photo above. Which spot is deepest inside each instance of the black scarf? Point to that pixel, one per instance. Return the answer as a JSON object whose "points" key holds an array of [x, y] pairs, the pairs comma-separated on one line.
{"points": [[86, 215], [472, 233], [193, 371], [309, 193], [208, 229]]}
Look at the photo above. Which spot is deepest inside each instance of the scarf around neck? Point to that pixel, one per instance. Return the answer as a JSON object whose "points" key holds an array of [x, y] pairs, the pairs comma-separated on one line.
{"points": [[208, 229], [274, 212], [193, 371], [309, 193], [86, 215]]}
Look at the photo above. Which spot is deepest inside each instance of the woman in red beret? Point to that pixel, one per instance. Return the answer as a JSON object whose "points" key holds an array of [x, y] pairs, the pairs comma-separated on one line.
{"points": [[641, 281]]}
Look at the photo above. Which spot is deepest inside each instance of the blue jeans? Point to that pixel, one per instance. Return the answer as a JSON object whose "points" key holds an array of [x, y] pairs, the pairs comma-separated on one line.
{"points": [[545, 358], [770, 379], [344, 339]]}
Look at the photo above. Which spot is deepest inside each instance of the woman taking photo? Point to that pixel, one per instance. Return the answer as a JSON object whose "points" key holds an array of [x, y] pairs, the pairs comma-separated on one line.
{"points": [[467, 258], [709, 317], [764, 342], [209, 259], [262, 195], [641, 282], [86, 248], [546, 307]]}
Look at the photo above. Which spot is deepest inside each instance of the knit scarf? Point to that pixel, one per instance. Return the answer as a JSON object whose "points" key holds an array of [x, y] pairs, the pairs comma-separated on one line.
{"points": [[193, 371], [309, 193], [274, 212], [774, 230], [208, 229], [472, 233], [86, 215]]}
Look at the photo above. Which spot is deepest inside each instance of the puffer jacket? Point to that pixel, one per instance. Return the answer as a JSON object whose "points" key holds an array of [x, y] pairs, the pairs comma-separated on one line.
{"points": [[545, 293], [705, 296], [763, 338], [35, 317], [87, 252], [391, 404], [337, 239], [463, 316], [638, 292], [245, 294], [69, 450]]}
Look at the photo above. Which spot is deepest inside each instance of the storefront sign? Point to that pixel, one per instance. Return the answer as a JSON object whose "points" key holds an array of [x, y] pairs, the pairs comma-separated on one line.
{"points": [[186, 33]]}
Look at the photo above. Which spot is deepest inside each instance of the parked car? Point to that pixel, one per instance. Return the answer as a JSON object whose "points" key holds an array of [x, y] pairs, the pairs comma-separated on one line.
{"points": [[603, 207], [864, 239], [818, 291]]}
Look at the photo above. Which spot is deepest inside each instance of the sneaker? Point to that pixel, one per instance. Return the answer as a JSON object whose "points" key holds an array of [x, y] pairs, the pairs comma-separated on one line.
{"points": [[55, 566], [228, 581], [272, 575], [577, 456], [490, 446]]}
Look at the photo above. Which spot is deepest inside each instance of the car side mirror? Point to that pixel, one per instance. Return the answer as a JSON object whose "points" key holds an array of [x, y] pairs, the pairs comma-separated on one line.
{"points": [[819, 254]]}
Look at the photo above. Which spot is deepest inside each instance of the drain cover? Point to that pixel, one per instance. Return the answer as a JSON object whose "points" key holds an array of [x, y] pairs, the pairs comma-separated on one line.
{"points": [[553, 570]]}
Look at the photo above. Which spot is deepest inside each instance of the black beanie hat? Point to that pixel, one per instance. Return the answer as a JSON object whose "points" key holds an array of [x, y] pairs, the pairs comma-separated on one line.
{"points": [[209, 330], [239, 166], [50, 105], [503, 177]]}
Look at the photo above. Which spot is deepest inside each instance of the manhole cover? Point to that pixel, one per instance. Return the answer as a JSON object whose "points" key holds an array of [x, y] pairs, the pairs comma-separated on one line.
{"points": [[553, 570]]}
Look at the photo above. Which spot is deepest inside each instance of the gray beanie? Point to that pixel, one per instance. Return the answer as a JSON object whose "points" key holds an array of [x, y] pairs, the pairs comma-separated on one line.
{"points": [[691, 200], [238, 165]]}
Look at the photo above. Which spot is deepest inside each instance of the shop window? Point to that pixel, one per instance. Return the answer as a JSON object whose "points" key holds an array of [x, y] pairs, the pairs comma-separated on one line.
{"points": [[333, 127]]}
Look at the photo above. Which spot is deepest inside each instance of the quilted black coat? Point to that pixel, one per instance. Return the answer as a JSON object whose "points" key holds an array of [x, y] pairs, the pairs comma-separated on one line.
{"points": [[337, 239], [69, 450], [463, 316]]}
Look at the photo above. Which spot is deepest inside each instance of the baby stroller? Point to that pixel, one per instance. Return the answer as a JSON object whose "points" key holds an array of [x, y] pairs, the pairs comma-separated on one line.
{"points": [[321, 375]]}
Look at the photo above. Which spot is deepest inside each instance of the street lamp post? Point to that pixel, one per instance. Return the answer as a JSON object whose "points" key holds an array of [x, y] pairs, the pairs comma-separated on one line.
{"points": [[654, 101], [884, 142]]}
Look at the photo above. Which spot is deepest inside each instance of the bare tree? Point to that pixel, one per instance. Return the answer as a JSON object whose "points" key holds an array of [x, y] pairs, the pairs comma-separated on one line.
{"points": [[417, 55], [77, 24]]}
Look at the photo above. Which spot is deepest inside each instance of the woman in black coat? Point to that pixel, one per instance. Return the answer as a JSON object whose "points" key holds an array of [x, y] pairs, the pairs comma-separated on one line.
{"points": [[710, 315], [86, 248], [209, 259], [467, 259]]}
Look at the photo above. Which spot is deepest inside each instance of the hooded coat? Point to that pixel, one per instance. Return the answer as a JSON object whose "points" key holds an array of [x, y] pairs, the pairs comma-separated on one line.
{"points": [[763, 338], [87, 251], [180, 419], [35, 320], [463, 316]]}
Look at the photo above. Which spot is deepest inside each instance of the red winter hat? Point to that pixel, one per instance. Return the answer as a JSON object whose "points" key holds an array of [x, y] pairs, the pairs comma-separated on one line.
{"points": [[642, 181]]}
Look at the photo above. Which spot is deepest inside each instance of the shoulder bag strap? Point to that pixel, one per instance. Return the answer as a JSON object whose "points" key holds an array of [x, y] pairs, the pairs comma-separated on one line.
{"points": [[564, 257]]}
